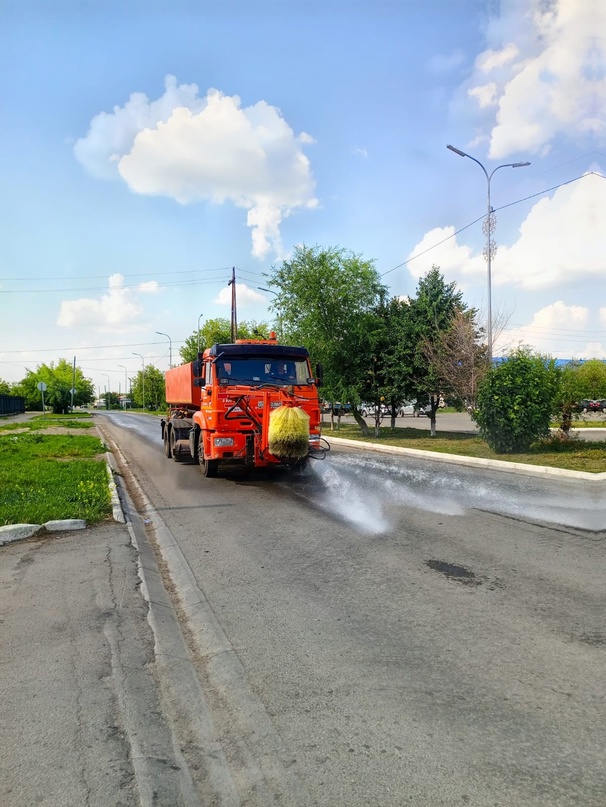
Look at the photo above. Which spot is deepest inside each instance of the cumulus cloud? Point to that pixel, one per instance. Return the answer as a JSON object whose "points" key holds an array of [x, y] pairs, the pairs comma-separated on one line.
{"points": [[454, 259], [206, 149], [115, 310], [552, 81], [151, 287], [245, 296], [557, 329], [576, 214]]}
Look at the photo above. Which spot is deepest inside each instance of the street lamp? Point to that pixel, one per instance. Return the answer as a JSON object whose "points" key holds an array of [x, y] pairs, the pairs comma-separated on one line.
{"points": [[125, 384], [108, 390], [170, 347], [489, 227], [142, 375], [199, 318], [270, 291]]}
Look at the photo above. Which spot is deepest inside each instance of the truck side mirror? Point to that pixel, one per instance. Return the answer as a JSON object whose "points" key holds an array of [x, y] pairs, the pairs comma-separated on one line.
{"points": [[319, 374], [197, 368]]}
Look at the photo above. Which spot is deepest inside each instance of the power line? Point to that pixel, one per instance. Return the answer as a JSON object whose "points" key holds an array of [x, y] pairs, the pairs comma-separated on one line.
{"points": [[448, 237]]}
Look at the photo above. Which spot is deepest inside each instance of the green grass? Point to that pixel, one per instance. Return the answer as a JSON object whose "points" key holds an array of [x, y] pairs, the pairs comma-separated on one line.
{"points": [[52, 476], [75, 421], [574, 455]]}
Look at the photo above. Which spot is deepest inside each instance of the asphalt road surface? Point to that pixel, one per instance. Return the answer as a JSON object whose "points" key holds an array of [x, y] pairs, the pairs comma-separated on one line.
{"points": [[385, 632]]}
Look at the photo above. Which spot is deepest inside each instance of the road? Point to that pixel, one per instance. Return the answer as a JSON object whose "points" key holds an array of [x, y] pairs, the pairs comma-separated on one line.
{"points": [[462, 422], [383, 632]]}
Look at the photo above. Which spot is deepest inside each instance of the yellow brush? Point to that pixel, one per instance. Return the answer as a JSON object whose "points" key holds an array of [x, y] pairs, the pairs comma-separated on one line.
{"points": [[288, 436]]}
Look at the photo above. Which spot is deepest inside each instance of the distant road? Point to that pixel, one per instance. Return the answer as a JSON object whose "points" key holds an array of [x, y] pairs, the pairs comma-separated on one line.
{"points": [[459, 422]]}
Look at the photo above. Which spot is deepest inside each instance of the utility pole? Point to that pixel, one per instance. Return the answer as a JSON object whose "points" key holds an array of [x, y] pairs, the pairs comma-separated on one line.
{"points": [[234, 316]]}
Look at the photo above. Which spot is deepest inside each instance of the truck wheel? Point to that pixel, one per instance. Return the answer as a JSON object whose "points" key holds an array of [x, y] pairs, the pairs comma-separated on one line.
{"points": [[209, 468], [167, 450]]}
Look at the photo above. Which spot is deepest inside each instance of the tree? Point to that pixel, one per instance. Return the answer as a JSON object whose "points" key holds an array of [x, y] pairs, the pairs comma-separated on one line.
{"points": [[592, 379], [327, 299], [516, 400], [155, 390], [5, 388], [459, 359], [59, 379], [218, 332], [578, 380], [428, 314]]}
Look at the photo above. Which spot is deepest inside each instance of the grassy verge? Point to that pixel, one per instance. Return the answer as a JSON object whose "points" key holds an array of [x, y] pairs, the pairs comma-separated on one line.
{"points": [[574, 455], [51, 476]]}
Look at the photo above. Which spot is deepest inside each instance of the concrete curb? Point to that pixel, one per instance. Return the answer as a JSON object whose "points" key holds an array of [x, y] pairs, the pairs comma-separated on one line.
{"points": [[19, 532], [477, 462], [112, 468]]}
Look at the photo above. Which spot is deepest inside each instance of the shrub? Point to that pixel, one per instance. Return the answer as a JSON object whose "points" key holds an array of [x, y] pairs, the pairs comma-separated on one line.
{"points": [[515, 402]]}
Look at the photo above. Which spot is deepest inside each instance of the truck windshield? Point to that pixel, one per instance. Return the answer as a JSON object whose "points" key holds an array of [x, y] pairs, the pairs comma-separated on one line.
{"points": [[259, 370]]}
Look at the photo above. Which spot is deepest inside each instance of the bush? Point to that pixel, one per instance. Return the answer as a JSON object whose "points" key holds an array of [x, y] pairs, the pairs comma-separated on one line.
{"points": [[515, 402]]}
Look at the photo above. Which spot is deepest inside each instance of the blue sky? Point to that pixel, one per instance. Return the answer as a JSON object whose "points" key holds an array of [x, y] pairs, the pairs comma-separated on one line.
{"points": [[148, 147]]}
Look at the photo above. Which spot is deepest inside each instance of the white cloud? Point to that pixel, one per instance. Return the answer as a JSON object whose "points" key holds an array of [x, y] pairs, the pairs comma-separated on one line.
{"points": [[116, 310], [552, 81], [556, 329], [244, 295], [492, 59], [454, 259], [206, 149], [111, 135], [486, 95], [562, 241], [603, 315], [151, 287]]}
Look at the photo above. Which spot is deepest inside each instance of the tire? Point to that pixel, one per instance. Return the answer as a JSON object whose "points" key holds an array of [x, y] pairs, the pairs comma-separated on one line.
{"points": [[209, 468], [167, 449]]}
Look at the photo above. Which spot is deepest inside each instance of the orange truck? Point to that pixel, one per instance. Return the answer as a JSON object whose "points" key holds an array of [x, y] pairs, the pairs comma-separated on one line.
{"points": [[231, 406]]}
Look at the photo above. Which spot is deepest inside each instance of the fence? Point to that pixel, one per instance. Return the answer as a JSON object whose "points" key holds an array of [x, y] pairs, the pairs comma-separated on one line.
{"points": [[11, 404]]}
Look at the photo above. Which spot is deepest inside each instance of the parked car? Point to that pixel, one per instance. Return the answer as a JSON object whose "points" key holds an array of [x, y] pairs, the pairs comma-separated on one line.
{"points": [[406, 409], [425, 409], [594, 406], [369, 410], [338, 408]]}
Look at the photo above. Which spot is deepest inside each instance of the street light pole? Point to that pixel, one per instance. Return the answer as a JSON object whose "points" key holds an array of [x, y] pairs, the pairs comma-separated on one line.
{"points": [[199, 318], [170, 347], [125, 384], [270, 291], [489, 227], [142, 375], [108, 393]]}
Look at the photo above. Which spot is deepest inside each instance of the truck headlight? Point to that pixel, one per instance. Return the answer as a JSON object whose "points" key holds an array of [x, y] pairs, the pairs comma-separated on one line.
{"points": [[223, 441]]}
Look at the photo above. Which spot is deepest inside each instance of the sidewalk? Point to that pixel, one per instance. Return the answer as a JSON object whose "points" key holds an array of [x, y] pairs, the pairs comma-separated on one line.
{"points": [[82, 716]]}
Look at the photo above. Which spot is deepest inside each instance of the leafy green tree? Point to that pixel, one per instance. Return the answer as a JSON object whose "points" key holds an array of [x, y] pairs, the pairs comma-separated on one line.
{"points": [[422, 321], [58, 379], [577, 381], [218, 331], [591, 376], [516, 400], [327, 300], [155, 390], [5, 388]]}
